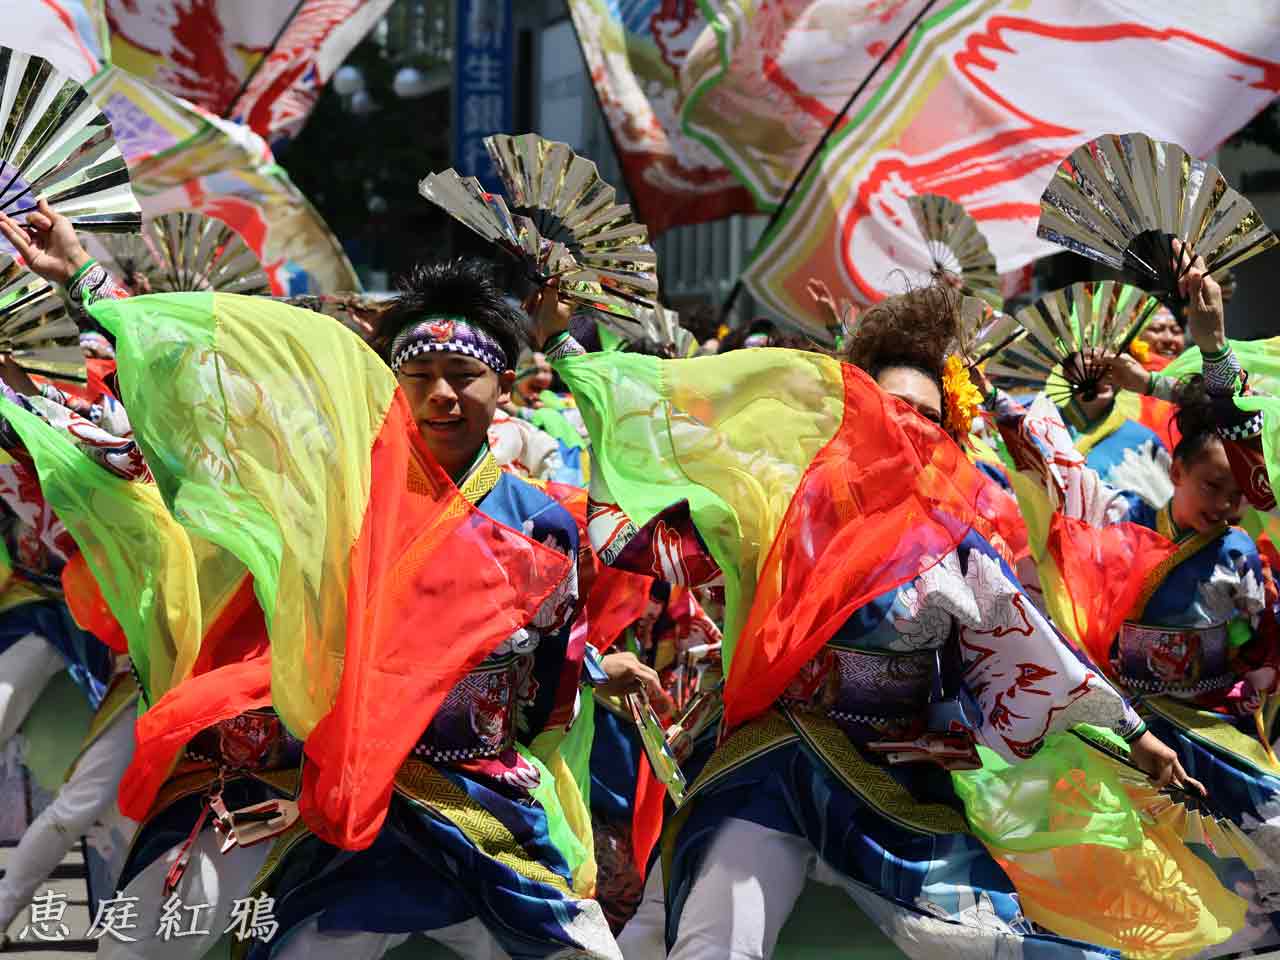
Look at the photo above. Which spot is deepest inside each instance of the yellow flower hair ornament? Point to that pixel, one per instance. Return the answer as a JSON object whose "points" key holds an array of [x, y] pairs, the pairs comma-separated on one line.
{"points": [[961, 397]]}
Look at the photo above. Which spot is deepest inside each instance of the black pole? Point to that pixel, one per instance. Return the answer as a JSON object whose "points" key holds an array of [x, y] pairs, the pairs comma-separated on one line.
{"points": [[258, 66], [813, 155]]}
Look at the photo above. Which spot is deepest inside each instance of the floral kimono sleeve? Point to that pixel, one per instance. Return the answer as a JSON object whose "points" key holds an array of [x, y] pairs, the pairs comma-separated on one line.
{"points": [[1024, 678]]}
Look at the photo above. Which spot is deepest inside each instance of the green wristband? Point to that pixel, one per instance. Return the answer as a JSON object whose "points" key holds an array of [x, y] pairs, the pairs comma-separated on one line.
{"points": [[80, 273], [554, 341], [1216, 355]]}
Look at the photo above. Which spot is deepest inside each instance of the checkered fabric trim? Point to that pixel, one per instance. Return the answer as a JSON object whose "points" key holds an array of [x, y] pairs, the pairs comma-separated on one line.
{"points": [[487, 357], [423, 752], [447, 334], [1249, 427]]}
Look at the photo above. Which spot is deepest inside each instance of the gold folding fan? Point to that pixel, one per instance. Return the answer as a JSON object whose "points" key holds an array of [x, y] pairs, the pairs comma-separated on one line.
{"points": [[985, 331], [38, 331], [1072, 335], [54, 143], [186, 251], [1121, 199], [561, 220], [957, 247]]}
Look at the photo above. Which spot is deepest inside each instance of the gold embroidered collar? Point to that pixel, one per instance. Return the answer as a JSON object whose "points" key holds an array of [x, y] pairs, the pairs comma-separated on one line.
{"points": [[481, 478]]}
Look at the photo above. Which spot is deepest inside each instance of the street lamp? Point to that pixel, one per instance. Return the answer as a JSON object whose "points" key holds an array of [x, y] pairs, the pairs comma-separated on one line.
{"points": [[410, 83], [361, 103], [348, 80]]}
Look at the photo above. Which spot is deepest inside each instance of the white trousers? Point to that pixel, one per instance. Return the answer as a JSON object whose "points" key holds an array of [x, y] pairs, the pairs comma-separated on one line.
{"points": [[80, 801], [469, 939], [645, 935], [746, 888], [25, 670], [749, 883], [211, 885]]}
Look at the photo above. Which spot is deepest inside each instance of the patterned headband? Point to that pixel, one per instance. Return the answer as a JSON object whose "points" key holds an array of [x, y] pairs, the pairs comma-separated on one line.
{"points": [[445, 333]]}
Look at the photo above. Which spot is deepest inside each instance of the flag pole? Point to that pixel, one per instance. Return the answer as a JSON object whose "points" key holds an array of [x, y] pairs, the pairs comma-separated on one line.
{"points": [[817, 150], [271, 48]]}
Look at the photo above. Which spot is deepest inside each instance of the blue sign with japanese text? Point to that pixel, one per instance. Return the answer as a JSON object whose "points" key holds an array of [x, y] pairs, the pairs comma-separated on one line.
{"points": [[483, 104]]}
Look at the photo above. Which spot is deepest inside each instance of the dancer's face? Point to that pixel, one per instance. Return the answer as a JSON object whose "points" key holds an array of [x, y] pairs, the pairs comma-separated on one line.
{"points": [[453, 398], [1163, 335], [914, 388], [1205, 492]]}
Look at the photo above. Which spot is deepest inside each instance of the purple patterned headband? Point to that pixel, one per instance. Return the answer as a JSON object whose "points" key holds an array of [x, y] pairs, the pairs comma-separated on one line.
{"points": [[447, 333]]}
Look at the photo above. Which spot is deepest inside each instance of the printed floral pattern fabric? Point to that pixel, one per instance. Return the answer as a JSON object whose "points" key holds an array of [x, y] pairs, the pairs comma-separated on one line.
{"points": [[39, 545], [1024, 679], [102, 429]]}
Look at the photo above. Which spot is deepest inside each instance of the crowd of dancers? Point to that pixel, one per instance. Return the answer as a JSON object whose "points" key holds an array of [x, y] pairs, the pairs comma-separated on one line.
{"points": [[480, 625]]}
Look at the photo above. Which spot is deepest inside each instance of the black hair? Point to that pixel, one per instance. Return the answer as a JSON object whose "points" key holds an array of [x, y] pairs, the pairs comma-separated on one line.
{"points": [[465, 287], [703, 321], [1196, 418]]}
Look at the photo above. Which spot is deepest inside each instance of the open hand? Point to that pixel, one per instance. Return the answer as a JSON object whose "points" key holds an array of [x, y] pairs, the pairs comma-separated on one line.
{"points": [[821, 294], [47, 242]]}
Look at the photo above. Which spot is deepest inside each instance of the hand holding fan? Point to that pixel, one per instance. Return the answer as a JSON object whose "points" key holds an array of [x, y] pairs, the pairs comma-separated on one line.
{"points": [[1184, 811], [562, 222], [1072, 335], [1121, 199]]}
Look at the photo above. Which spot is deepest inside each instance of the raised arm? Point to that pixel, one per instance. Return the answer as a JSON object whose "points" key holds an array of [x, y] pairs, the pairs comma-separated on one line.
{"points": [[1239, 430]]}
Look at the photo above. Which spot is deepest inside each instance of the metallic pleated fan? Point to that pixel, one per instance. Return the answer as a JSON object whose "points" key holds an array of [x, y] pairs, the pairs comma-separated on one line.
{"points": [[54, 143], [37, 329], [654, 740], [1121, 199], [958, 248], [985, 331], [662, 326], [185, 251], [560, 219], [1071, 336], [1182, 811]]}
